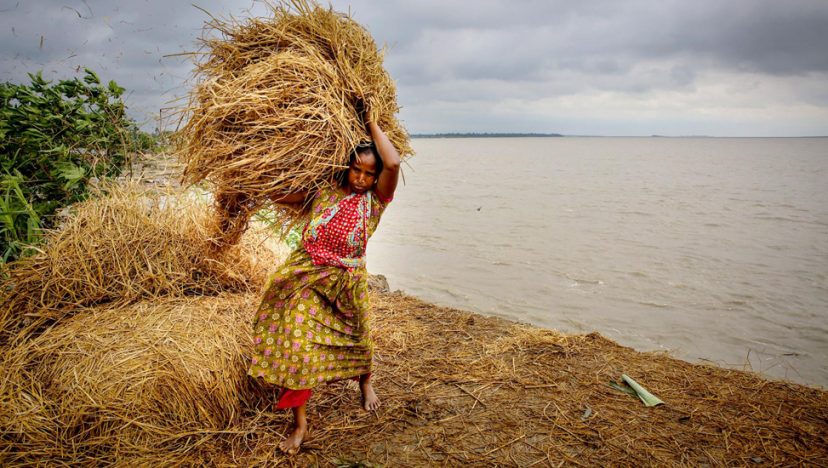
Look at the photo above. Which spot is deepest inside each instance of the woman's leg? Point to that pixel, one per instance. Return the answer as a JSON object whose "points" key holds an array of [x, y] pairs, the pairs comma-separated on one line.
{"points": [[370, 400], [300, 428]]}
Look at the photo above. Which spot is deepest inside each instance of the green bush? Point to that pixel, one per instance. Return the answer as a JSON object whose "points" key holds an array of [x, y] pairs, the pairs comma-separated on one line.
{"points": [[56, 139], [143, 141]]}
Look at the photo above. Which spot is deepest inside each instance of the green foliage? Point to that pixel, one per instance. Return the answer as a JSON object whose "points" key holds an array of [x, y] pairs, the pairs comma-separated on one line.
{"points": [[291, 235], [55, 139], [143, 141], [19, 222]]}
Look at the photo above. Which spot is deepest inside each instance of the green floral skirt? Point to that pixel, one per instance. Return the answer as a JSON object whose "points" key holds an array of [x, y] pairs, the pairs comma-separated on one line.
{"points": [[312, 325]]}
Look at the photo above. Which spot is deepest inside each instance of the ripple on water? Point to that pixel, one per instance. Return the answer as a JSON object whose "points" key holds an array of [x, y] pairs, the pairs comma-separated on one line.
{"points": [[657, 305]]}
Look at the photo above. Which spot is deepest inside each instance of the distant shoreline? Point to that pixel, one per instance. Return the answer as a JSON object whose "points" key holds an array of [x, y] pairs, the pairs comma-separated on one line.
{"points": [[485, 135], [558, 135]]}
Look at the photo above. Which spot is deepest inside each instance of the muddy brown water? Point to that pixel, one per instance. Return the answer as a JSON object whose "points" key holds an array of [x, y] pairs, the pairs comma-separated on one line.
{"points": [[714, 249]]}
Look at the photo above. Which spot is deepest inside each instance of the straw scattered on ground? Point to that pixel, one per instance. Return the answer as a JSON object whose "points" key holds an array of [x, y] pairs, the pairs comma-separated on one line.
{"points": [[457, 389]]}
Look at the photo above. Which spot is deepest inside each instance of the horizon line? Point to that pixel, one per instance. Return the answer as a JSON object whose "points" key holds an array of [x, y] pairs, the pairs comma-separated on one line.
{"points": [[560, 135]]}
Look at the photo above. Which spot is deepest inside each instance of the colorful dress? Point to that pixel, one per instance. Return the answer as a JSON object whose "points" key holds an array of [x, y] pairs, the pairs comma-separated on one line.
{"points": [[312, 325]]}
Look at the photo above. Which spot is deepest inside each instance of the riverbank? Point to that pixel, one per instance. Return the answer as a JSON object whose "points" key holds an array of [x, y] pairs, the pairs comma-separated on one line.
{"points": [[459, 388]]}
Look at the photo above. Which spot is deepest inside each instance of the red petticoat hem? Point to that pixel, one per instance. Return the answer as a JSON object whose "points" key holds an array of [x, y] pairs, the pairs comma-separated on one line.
{"points": [[295, 398]]}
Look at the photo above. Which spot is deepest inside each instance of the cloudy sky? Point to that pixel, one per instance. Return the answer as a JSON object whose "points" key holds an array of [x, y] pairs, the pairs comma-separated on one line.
{"points": [[592, 67]]}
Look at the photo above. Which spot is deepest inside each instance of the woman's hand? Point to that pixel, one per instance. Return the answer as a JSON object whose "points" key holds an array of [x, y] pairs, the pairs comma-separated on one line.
{"points": [[360, 107]]}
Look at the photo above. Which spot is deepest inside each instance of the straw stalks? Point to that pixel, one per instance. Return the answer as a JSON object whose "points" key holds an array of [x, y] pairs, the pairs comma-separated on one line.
{"points": [[122, 383], [276, 107], [125, 246]]}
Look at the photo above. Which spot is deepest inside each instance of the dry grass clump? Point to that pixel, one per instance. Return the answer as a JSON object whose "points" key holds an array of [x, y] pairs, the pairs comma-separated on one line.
{"points": [[151, 380], [122, 247], [276, 106]]}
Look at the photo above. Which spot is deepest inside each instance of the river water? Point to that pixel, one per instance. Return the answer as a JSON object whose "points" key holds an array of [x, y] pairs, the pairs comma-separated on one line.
{"points": [[714, 249]]}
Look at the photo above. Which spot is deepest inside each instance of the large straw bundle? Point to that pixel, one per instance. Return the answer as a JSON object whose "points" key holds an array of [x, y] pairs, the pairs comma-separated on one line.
{"points": [[126, 383], [124, 247], [275, 110]]}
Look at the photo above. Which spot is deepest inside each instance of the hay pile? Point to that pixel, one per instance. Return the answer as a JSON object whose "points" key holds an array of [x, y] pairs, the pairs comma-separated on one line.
{"points": [[150, 381], [125, 337], [276, 106], [124, 247]]}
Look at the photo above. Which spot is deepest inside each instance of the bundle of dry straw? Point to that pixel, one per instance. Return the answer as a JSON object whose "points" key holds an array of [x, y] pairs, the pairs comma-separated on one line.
{"points": [[122, 247], [109, 384], [275, 110]]}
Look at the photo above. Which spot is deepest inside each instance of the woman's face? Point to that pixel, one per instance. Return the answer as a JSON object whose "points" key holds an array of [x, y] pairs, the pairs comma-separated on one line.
{"points": [[362, 173]]}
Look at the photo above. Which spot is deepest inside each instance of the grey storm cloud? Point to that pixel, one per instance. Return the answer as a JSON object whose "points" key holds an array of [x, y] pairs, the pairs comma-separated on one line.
{"points": [[455, 58], [609, 37]]}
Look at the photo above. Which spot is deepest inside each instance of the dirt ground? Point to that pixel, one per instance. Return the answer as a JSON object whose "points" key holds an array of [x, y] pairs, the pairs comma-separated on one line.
{"points": [[462, 389]]}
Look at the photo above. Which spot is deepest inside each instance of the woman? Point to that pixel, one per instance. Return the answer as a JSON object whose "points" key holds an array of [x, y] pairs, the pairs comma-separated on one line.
{"points": [[312, 324]]}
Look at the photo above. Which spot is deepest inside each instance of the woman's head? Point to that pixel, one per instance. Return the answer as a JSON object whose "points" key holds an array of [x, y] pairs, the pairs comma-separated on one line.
{"points": [[364, 168]]}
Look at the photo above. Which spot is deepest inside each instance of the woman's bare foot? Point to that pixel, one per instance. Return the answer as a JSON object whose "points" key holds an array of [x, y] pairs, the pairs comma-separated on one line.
{"points": [[300, 428], [370, 400], [292, 444]]}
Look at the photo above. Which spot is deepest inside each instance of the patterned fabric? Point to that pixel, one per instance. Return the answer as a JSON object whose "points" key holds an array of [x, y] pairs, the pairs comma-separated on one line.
{"points": [[312, 325], [336, 235]]}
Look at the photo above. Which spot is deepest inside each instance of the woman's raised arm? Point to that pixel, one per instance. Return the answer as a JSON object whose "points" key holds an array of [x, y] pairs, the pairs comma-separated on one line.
{"points": [[387, 179]]}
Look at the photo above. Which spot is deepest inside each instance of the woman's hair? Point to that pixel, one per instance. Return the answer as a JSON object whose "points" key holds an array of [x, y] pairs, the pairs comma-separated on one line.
{"points": [[342, 176]]}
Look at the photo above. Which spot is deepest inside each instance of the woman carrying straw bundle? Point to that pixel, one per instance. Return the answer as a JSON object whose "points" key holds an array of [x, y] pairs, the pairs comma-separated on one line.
{"points": [[312, 324]]}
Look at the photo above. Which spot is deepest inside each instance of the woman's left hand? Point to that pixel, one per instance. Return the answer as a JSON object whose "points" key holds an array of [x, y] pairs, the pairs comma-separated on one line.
{"points": [[361, 107]]}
